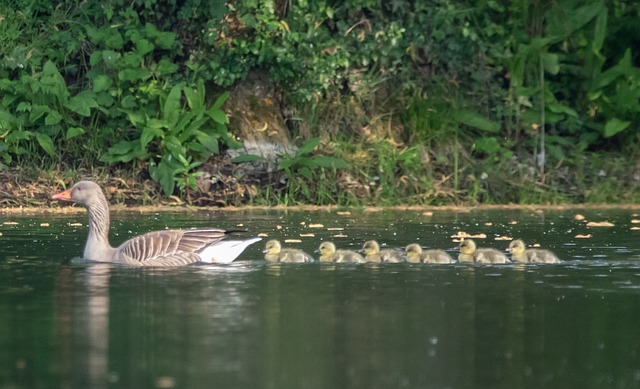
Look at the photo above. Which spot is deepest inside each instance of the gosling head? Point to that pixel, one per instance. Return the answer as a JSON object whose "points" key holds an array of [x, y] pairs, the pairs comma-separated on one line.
{"points": [[371, 247], [413, 249], [327, 248], [517, 247], [467, 246], [272, 247]]}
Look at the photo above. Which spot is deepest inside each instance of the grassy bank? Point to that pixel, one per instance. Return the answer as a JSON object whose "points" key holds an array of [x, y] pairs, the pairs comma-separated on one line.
{"points": [[367, 103], [407, 176]]}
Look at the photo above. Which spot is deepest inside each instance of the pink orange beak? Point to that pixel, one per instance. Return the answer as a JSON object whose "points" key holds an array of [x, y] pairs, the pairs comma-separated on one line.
{"points": [[64, 196]]}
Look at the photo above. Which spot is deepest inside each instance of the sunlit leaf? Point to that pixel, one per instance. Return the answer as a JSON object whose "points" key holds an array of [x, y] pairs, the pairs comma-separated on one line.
{"points": [[308, 146], [248, 158], [72, 132], [82, 103], [52, 118], [475, 120], [615, 126], [46, 143]]}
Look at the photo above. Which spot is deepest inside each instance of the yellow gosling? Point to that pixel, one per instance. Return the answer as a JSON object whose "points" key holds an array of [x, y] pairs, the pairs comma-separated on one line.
{"points": [[520, 253], [328, 253], [469, 253], [275, 253], [373, 253], [415, 254]]}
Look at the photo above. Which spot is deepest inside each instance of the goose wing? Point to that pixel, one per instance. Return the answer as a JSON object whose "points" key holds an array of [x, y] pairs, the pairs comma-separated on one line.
{"points": [[168, 247]]}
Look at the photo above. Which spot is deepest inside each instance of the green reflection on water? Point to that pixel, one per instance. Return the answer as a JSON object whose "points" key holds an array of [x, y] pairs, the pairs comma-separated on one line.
{"points": [[253, 324]]}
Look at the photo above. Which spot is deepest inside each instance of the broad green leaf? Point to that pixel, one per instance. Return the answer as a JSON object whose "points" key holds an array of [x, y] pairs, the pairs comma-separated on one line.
{"points": [[131, 74], [95, 58], [221, 100], [248, 158], [143, 46], [595, 95], [563, 24], [46, 143], [151, 30], [121, 147], [210, 142], [72, 132], [551, 63], [24, 106], [128, 102], [7, 118], [52, 118], [148, 134], [171, 111], [164, 173], [50, 69], [308, 146], [166, 67], [114, 40], [109, 57], [166, 40], [615, 126], [15, 136], [197, 148], [157, 123], [102, 83], [9, 99], [194, 126], [218, 116], [475, 120], [600, 31], [124, 151], [174, 145], [82, 103], [285, 164], [624, 67], [331, 162], [37, 111], [560, 108], [184, 126], [538, 46], [96, 36], [489, 145], [104, 100], [306, 173], [195, 98]]}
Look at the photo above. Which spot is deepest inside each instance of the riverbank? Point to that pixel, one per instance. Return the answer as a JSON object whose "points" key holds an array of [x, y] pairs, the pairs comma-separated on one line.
{"points": [[606, 181]]}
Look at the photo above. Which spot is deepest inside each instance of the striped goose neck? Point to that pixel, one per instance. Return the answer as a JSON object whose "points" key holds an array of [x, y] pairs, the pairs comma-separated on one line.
{"points": [[99, 222]]}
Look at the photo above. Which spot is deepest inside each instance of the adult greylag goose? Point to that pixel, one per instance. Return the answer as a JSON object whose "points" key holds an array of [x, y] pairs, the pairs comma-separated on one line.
{"points": [[372, 252], [469, 253], [328, 253], [158, 248], [273, 252], [415, 254], [520, 253]]}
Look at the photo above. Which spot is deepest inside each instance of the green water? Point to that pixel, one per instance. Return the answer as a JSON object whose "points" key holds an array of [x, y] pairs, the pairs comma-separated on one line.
{"points": [[68, 324]]}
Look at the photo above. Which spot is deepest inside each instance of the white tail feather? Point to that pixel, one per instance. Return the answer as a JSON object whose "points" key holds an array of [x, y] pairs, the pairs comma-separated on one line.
{"points": [[225, 251]]}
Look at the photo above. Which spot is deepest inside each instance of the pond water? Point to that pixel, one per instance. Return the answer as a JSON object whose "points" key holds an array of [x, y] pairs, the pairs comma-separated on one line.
{"points": [[68, 324]]}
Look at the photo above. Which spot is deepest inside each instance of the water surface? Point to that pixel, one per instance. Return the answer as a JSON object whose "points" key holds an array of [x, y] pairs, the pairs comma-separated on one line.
{"points": [[65, 323]]}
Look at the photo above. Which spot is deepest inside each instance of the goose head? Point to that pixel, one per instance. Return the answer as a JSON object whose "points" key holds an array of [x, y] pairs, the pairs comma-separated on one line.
{"points": [[85, 193]]}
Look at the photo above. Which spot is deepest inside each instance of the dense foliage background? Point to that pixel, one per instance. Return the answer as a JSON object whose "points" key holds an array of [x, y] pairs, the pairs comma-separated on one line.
{"points": [[392, 102]]}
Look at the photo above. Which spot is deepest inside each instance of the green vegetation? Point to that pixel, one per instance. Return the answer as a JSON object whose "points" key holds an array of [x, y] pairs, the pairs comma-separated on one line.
{"points": [[399, 102]]}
